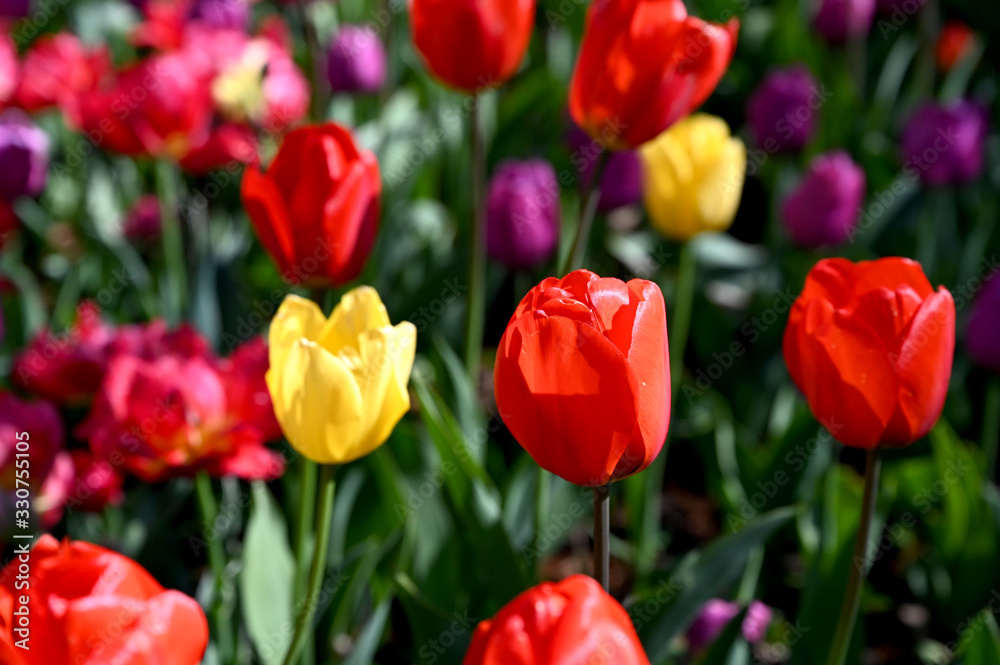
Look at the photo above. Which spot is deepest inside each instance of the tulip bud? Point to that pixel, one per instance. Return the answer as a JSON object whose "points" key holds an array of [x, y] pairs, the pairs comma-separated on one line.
{"points": [[782, 110], [840, 20], [522, 222], [621, 179], [944, 143], [870, 345], [693, 177], [24, 156], [356, 61], [565, 335], [716, 614], [143, 220], [984, 322], [339, 385], [569, 623], [824, 208], [954, 43], [472, 45]]}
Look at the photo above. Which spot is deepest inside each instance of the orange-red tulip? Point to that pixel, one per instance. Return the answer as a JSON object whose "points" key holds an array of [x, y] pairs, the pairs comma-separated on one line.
{"points": [[316, 209], [88, 604], [582, 376], [472, 44], [569, 623], [644, 65], [871, 345]]}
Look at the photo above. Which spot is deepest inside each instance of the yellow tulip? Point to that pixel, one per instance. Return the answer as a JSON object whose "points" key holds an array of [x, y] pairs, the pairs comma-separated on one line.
{"points": [[693, 177], [339, 384]]}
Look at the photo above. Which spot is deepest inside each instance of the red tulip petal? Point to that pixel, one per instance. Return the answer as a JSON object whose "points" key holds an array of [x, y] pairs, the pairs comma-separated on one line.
{"points": [[891, 273], [347, 213], [594, 628], [567, 395], [267, 212], [924, 366]]}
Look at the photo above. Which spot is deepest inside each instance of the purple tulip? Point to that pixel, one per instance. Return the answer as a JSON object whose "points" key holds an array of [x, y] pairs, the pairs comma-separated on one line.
{"points": [[356, 61], [143, 220], [223, 14], [840, 20], [24, 156], [823, 209], [14, 8], [981, 333], [522, 221], [943, 144], [621, 180], [716, 614], [782, 110]]}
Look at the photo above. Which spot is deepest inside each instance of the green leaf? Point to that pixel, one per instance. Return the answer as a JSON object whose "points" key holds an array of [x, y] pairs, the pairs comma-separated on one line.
{"points": [[266, 580], [371, 636], [984, 647], [703, 575]]}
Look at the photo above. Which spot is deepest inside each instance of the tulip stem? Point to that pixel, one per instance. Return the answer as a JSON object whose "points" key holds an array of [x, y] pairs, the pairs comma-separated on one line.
{"points": [[307, 513], [855, 580], [307, 608], [588, 210], [602, 536], [991, 426], [209, 509], [475, 314], [173, 242]]}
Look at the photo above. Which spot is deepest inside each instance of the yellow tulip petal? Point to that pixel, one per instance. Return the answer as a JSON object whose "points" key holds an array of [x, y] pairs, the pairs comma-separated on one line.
{"points": [[398, 347], [297, 318], [317, 402], [358, 311], [722, 188]]}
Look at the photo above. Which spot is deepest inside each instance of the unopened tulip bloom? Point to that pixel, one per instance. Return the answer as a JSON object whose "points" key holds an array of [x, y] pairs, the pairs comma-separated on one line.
{"points": [[824, 208], [981, 333], [693, 177], [621, 177], [356, 61], [716, 614], [566, 623], [24, 156], [143, 220], [522, 220], [92, 605], [644, 65], [841, 20], [954, 43], [582, 377], [870, 345], [339, 385], [316, 209], [943, 143], [472, 45], [783, 110]]}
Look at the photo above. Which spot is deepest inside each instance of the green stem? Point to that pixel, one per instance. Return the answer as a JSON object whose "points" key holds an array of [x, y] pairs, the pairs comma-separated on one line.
{"points": [[316, 64], [209, 509], [681, 325], [991, 426], [602, 535], [475, 314], [588, 210], [304, 616], [175, 291], [855, 580], [543, 501], [307, 514]]}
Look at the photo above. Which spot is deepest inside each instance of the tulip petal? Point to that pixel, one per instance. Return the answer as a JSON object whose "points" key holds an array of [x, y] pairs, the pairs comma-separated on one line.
{"points": [[267, 211], [359, 311], [297, 318], [925, 357], [567, 395], [317, 402]]}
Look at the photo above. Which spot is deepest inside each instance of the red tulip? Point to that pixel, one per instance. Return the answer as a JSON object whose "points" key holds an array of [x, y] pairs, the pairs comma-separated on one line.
{"points": [[56, 68], [871, 345], [644, 65], [172, 415], [582, 376], [88, 604], [569, 623], [316, 209], [954, 43], [98, 484], [472, 44]]}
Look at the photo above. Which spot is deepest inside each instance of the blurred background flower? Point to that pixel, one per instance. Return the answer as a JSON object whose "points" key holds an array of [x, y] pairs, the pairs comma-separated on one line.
{"points": [[824, 207], [522, 222]]}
